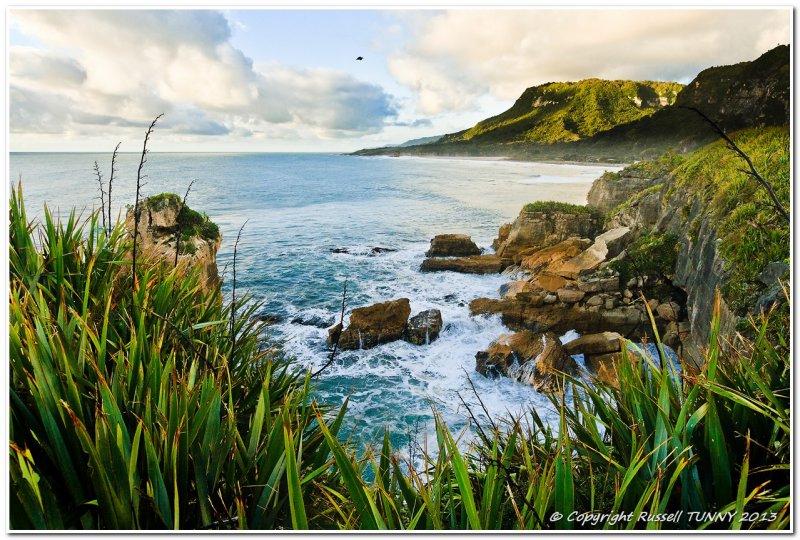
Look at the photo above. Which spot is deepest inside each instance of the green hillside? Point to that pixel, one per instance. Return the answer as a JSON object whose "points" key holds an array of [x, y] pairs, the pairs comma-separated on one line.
{"points": [[597, 120], [563, 112]]}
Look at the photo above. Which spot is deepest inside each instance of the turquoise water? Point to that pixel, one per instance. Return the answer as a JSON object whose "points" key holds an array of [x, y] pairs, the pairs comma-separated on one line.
{"points": [[299, 207]]}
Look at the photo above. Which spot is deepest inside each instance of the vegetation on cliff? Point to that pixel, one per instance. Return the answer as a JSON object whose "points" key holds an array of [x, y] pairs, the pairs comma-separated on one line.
{"points": [[596, 120], [562, 112]]}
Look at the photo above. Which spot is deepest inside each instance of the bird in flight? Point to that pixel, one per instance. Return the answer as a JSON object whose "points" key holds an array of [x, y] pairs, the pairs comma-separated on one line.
{"points": [[360, 58]]}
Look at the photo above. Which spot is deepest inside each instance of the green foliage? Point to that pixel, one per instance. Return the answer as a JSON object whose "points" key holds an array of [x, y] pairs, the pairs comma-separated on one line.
{"points": [[163, 200], [193, 223], [131, 410], [562, 112], [556, 206], [752, 232], [653, 254], [129, 407]]}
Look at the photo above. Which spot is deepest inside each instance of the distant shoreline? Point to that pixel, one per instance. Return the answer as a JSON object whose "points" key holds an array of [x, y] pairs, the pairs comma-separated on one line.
{"points": [[505, 158]]}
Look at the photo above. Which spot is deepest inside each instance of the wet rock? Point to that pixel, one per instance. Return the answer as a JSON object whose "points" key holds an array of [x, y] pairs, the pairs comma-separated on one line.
{"points": [[512, 288], [314, 320], [452, 245], [377, 250], [424, 327], [268, 318], [592, 344], [527, 357], [340, 250], [669, 310], [372, 325], [479, 264]]}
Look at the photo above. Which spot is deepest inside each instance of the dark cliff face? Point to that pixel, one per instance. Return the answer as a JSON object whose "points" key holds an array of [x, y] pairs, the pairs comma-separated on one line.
{"points": [[747, 94], [743, 95]]}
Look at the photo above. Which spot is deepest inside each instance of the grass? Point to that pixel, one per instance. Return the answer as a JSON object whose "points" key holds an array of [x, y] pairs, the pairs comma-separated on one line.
{"points": [[739, 208], [564, 112], [556, 206]]}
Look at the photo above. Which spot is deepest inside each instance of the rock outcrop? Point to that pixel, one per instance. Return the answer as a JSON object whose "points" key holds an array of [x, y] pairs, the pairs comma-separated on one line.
{"points": [[373, 325], [531, 358], [424, 327], [452, 245], [162, 221], [534, 230], [476, 264]]}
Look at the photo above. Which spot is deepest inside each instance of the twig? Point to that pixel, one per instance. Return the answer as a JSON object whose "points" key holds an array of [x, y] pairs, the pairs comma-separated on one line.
{"points": [[474, 391], [337, 335], [136, 211], [102, 193], [179, 223], [752, 170], [110, 182], [233, 295]]}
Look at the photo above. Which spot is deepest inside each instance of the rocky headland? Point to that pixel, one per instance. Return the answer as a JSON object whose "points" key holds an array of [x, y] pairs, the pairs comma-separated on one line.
{"points": [[167, 226]]}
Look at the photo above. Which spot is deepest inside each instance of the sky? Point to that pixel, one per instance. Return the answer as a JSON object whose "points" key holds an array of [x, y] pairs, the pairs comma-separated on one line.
{"points": [[288, 79]]}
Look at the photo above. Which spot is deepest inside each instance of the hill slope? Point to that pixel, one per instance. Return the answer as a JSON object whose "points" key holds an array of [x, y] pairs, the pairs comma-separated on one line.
{"points": [[595, 120], [563, 112]]}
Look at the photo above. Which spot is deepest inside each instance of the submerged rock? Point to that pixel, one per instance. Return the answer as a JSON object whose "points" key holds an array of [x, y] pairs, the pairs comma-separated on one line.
{"points": [[424, 327], [373, 325], [452, 245]]}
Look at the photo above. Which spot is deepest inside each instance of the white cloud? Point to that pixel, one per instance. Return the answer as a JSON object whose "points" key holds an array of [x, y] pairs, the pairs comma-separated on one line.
{"points": [[123, 67], [456, 56]]}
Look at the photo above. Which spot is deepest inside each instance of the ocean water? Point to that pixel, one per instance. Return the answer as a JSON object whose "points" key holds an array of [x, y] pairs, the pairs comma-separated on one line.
{"points": [[299, 207]]}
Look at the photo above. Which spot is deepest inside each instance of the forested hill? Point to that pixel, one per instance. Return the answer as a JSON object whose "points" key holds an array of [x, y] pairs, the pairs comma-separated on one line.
{"points": [[597, 120]]}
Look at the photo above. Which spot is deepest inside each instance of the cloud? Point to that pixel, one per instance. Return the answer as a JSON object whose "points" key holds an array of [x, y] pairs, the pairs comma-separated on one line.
{"points": [[123, 67], [454, 57]]}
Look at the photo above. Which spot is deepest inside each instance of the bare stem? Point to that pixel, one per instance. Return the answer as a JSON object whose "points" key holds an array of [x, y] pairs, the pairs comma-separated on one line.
{"points": [[110, 182], [178, 220], [233, 295], [337, 335], [136, 210], [102, 193], [751, 168]]}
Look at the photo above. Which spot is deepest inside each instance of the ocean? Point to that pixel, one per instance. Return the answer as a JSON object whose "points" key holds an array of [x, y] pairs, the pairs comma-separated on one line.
{"points": [[298, 208]]}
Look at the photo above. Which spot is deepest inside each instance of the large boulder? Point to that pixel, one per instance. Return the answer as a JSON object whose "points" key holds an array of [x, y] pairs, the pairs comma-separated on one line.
{"points": [[477, 264], [615, 240], [372, 325], [162, 219], [452, 245], [553, 256], [537, 230], [531, 358], [584, 263], [424, 327], [589, 344]]}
